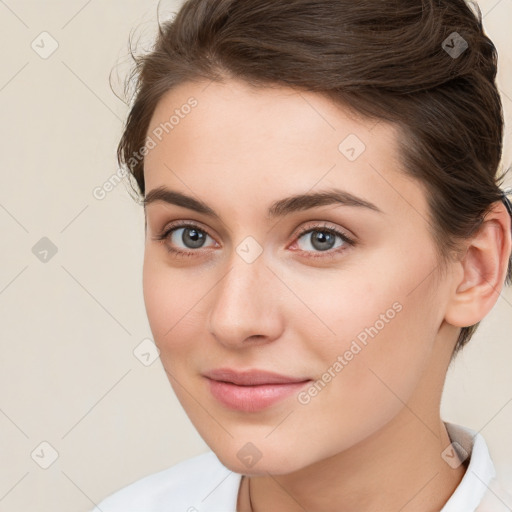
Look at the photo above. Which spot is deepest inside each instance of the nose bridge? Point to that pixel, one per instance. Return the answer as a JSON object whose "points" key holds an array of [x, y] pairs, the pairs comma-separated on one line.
{"points": [[243, 302]]}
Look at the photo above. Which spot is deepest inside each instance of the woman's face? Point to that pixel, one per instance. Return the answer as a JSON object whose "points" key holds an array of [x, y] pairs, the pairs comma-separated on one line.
{"points": [[335, 294]]}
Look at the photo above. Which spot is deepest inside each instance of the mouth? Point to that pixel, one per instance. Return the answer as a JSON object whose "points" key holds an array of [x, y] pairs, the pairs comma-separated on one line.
{"points": [[252, 390]]}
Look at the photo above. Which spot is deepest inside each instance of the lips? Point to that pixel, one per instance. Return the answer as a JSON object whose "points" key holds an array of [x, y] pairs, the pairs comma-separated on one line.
{"points": [[251, 390]]}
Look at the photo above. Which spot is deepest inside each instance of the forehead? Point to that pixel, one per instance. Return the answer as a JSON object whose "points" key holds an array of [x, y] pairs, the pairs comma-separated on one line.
{"points": [[255, 117], [271, 141]]}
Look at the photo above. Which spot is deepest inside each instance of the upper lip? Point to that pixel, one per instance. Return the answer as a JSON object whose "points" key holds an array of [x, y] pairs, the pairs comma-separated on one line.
{"points": [[251, 377]]}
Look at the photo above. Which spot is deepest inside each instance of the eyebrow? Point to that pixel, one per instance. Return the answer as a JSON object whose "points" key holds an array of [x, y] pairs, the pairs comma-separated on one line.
{"points": [[279, 208]]}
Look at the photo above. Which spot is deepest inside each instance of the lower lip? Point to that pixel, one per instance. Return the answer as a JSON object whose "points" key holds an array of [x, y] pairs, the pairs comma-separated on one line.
{"points": [[252, 398]]}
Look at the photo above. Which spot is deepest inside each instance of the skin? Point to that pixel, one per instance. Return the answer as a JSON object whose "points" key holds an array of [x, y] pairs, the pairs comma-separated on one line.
{"points": [[371, 439]]}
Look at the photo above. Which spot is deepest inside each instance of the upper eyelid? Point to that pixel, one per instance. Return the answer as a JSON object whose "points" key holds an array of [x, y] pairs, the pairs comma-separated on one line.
{"points": [[184, 224], [305, 229]]}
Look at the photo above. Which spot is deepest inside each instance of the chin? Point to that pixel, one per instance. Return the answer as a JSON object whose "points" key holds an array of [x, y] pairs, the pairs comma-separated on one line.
{"points": [[259, 459]]}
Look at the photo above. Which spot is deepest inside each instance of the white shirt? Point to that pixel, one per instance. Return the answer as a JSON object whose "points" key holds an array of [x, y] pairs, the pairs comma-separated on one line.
{"points": [[203, 484]]}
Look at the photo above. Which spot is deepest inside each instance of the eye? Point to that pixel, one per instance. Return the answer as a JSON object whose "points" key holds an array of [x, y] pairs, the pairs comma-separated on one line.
{"points": [[322, 238], [184, 239]]}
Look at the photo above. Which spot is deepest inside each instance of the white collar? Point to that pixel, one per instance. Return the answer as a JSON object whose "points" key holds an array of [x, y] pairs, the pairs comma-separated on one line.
{"points": [[475, 491]]}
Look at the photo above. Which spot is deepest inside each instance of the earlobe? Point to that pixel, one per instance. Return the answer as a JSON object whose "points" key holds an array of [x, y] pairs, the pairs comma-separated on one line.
{"points": [[482, 270]]}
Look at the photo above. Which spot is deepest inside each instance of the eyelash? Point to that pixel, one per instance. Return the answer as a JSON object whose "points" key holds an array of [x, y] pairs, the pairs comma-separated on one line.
{"points": [[164, 235]]}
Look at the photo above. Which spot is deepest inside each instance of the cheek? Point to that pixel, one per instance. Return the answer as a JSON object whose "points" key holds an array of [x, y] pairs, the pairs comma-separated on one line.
{"points": [[365, 376], [341, 307], [377, 332], [170, 296]]}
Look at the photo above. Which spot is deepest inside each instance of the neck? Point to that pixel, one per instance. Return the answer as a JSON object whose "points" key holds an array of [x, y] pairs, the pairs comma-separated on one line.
{"points": [[400, 468]]}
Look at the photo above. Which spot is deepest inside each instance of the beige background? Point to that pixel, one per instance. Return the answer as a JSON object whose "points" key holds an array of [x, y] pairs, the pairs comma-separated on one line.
{"points": [[69, 326]]}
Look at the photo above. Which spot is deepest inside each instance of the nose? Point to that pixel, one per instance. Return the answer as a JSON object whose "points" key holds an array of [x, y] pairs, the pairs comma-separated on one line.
{"points": [[245, 308]]}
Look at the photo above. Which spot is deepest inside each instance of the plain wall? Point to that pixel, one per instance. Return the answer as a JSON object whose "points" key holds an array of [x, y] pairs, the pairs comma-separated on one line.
{"points": [[69, 326]]}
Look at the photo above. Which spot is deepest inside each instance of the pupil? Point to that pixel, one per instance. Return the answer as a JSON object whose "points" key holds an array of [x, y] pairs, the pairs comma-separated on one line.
{"points": [[321, 238], [192, 237]]}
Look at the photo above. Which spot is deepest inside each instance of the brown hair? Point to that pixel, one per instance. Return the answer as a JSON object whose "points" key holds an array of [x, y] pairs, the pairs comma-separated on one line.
{"points": [[392, 60]]}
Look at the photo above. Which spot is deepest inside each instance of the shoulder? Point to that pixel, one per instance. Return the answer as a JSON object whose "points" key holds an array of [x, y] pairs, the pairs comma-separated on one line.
{"points": [[199, 484]]}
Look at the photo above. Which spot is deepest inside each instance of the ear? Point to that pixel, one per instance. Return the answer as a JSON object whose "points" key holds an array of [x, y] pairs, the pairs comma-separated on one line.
{"points": [[480, 274]]}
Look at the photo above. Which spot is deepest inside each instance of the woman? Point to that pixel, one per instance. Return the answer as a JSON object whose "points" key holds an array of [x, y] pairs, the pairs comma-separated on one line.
{"points": [[325, 229]]}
